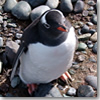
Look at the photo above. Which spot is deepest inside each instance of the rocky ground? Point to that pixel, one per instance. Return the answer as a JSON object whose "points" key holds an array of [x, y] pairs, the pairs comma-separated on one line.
{"points": [[83, 17]]}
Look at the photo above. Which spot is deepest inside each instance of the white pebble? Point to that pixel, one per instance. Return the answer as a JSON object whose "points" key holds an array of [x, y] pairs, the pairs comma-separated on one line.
{"points": [[1, 41]]}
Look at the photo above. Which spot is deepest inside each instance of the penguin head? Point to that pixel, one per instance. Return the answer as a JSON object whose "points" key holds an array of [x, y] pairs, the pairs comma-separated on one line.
{"points": [[52, 23]]}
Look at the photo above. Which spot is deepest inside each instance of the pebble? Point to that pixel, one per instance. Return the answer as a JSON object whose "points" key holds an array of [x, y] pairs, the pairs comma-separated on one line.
{"points": [[84, 36], [18, 41], [79, 32], [92, 59], [81, 58], [85, 13], [71, 91], [94, 19], [66, 6], [92, 31], [95, 48], [4, 24], [91, 8], [72, 71], [79, 6], [91, 13], [94, 37], [8, 6], [89, 23], [64, 95], [89, 44], [82, 46], [22, 10], [92, 80], [2, 2], [91, 3], [15, 82], [1, 19], [1, 41], [18, 35], [75, 66], [38, 11], [85, 29], [85, 91], [1, 9], [52, 3], [35, 3], [0, 66], [11, 25]]}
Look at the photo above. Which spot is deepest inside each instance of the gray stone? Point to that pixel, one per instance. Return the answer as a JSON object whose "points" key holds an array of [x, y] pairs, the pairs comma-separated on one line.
{"points": [[92, 59], [1, 41], [72, 71], [89, 23], [18, 35], [52, 3], [0, 66], [82, 46], [75, 66], [4, 24], [22, 10], [1, 19], [79, 32], [35, 3], [38, 11], [91, 3], [2, 2], [85, 91], [91, 8], [91, 13], [15, 82], [64, 95], [66, 6], [85, 13], [84, 36], [81, 58], [12, 25], [79, 6], [92, 31], [94, 37], [92, 80], [85, 29], [1, 9], [90, 46], [95, 48], [18, 41], [94, 19], [71, 91], [8, 6]]}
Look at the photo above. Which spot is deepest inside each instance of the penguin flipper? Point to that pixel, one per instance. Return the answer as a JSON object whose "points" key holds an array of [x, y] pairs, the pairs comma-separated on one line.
{"points": [[15, 63]]}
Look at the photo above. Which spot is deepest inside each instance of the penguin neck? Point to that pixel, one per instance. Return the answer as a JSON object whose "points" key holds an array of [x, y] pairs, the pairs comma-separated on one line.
{"points": [[46, 40]]}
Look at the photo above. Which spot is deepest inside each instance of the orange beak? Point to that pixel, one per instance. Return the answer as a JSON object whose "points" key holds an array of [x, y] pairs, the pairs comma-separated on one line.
{"points": [[62, 28]]}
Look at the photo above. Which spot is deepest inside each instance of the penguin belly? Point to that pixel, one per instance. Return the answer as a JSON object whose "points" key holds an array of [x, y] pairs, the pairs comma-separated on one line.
{"points": [[42, 64]]}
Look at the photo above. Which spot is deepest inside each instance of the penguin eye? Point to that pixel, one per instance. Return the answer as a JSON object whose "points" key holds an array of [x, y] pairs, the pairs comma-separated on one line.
{"points": [[47, 25]]}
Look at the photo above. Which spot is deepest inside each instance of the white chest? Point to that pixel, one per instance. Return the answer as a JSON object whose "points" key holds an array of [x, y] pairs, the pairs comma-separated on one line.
{"points": [[43, 64]]}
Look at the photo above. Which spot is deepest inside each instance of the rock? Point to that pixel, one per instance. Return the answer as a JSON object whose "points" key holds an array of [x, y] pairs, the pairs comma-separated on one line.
{"points": [[66, 6], [91, 13], [91, 3], [35, 3], [89, 23], [52, 3], [15, 82], [94, 19], [84, 36], [89, 44], [71, 91], [75, 66], [85, 29], [92, 80], [92, 59], [85, 13], [79, 6], [2, 2], [94, 37], [38, 11], [73, 0], [82, 46], [81, 58], [71, 71], [9, 5], [79, 32], [1, 41], [85, 91], [64, 95], [1, 19], [92, 31], [18, 41], [9, 95], [0, 67], [18, 35], [91, 8], [95, 48], [11, 25], [4, 24], [22, 10], [1, 9]]}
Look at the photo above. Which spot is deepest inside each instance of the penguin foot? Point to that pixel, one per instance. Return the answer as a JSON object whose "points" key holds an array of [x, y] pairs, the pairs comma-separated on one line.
{"points": [[66, 76], [31, 88]]}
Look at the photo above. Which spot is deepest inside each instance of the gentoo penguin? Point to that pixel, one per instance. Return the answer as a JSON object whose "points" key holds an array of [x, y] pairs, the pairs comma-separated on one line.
{"points": [[47, 49]]}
